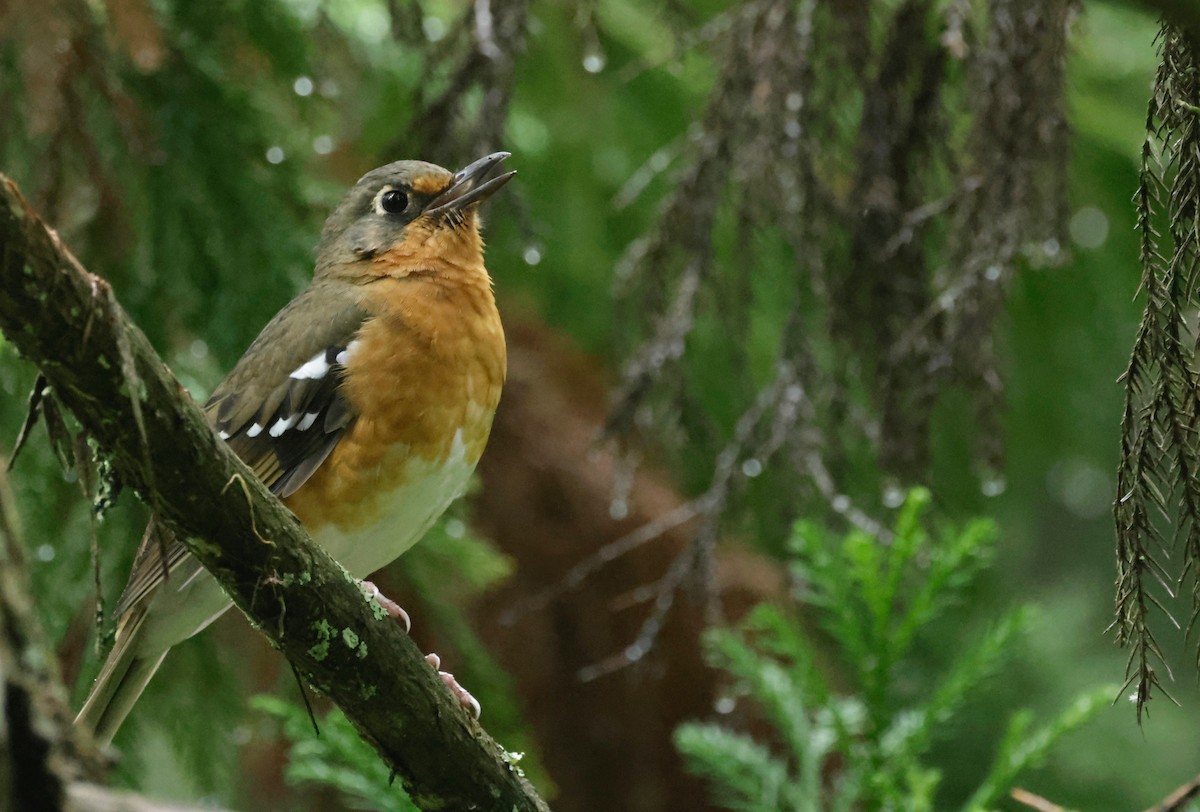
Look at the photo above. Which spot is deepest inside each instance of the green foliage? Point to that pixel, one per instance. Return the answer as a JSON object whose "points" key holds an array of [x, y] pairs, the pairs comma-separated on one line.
{"points": [[867, 747], [1023, 746], [338, 758]]}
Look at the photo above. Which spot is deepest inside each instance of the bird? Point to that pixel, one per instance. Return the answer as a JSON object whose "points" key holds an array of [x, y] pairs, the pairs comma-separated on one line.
{"points": [[364, 405]]}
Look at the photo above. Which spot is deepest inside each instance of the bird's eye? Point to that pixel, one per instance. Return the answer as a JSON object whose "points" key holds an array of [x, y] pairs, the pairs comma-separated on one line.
{"points": [[393, 201]]}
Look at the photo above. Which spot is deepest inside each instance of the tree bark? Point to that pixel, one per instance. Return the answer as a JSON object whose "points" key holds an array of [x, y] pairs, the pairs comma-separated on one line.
{"points": [[67, 322]]}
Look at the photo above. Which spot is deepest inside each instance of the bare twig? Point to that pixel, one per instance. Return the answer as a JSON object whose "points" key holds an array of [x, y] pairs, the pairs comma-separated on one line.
{"points": [[577, 574], [1033, 801], [664, 598], [685, 43], [651, 168], [662, 351], [773, 413], [1177, 799], [913, 220], [85, 797]]}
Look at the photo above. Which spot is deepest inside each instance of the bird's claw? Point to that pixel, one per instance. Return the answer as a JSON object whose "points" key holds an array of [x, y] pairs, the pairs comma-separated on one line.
{"points": [[394, 610], [469, 703]]}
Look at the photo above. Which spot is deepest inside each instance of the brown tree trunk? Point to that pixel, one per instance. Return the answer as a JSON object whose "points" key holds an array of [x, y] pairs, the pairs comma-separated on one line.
{"points": [[545, 500]]}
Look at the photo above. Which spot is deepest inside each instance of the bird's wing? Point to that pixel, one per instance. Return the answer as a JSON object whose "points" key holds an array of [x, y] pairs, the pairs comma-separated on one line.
{"points": [[281, 410]]}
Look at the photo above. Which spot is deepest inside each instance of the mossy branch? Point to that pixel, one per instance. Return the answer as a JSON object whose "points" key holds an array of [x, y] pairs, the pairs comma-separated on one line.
{"points": [[100, 365]]}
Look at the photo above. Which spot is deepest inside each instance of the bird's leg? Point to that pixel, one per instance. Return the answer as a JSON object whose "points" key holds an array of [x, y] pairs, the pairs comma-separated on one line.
{"points": [[394, 610], [469, 703]]}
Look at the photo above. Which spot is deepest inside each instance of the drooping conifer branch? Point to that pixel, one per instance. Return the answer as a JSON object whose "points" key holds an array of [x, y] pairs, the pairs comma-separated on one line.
{"points": [[1157, 510]]}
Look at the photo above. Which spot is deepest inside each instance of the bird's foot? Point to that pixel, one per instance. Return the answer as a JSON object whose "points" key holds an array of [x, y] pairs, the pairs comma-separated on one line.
{"points": [[394, 610], [469, 703]]}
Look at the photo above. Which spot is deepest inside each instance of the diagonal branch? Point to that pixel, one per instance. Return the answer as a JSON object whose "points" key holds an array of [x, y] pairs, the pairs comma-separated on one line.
{"points": [[67, 322], [1179, 798]]}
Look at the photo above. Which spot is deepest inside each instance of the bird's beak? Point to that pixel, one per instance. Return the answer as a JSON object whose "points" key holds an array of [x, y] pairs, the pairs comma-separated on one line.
{"points": [[471, 185]]}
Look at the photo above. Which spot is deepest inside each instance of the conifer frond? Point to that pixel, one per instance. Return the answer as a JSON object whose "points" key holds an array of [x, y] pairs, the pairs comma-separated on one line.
{"points": [[852, 205], [908, 158], [1157, 509], [863, 739]]}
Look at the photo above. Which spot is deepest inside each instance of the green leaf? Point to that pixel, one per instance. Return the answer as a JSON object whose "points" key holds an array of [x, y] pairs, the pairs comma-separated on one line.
{"points": [[337, 758], [1021, 749]]}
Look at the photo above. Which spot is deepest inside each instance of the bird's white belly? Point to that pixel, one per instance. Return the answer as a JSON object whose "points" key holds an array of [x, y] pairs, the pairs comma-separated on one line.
{"points": [[405, 513]]}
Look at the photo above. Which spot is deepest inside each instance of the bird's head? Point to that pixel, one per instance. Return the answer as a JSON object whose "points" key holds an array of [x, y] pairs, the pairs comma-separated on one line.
{"points": [[408, 212]]}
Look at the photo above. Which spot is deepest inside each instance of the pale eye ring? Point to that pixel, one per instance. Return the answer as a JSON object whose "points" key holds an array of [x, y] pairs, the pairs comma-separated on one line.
{"points": [[391, 201]]}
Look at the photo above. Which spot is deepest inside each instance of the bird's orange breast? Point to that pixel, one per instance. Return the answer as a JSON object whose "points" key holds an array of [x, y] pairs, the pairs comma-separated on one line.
{"points": [[424, 380]]}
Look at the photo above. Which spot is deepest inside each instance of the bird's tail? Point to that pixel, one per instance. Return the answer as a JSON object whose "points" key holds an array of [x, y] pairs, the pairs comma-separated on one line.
{"points": [[122, 679]]}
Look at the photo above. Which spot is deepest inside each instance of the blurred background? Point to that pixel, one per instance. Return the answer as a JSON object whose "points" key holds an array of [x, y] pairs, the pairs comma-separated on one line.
{"points": [[763, 262]]}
